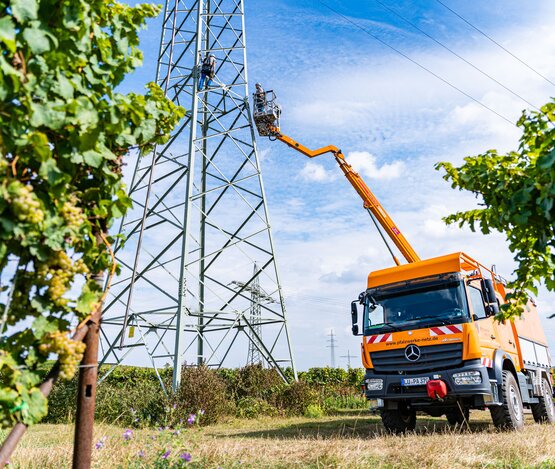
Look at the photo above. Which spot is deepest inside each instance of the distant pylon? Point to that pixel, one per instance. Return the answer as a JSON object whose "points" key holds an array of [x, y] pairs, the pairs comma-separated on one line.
{"points": [[348, 357], [331, 346], [200, 216]]}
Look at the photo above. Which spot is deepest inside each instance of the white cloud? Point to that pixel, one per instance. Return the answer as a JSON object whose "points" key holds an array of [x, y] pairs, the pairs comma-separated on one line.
{"points": [[317, 173], [365, 163]]}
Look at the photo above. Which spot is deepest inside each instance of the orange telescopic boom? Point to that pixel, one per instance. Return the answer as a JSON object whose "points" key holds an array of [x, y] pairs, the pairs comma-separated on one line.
{"points": [[267, 115]]}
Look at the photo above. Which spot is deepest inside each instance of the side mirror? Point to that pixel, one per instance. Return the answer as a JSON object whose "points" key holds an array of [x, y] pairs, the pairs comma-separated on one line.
{"points": [[492, 309], [354, 317], [488, 290]]}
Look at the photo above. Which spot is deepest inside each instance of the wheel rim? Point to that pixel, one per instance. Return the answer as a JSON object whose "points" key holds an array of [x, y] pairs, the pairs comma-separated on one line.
{"points": [[515, 402], [549, 407]]}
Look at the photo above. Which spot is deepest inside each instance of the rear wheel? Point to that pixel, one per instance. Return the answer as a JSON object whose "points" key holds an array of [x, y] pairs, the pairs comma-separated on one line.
{"points": [[509, 415], [399, 420], [544, 411], [456, 417]]}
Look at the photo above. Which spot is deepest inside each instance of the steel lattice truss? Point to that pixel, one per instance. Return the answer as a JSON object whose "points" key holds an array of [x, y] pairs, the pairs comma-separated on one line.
{"points": [[187, 299]]}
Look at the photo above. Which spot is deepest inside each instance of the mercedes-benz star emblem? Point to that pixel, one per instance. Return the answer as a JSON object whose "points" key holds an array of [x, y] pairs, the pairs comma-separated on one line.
{"points": [[412, 352]]}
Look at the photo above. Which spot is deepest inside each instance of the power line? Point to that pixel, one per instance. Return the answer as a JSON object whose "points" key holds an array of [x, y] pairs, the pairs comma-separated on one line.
{"points": [[354, 23], [388, 8], [495, 42]]}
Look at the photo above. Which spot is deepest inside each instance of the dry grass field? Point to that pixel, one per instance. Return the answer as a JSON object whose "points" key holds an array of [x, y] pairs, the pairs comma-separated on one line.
{"points": [[350, 439]]}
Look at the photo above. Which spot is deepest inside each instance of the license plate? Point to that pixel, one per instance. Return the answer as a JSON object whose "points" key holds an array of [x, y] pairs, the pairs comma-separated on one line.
{"points": [[414, 381]]}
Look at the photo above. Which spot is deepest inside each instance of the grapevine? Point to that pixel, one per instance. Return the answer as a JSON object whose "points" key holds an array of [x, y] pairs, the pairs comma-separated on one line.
{"points": [[64, 136]]}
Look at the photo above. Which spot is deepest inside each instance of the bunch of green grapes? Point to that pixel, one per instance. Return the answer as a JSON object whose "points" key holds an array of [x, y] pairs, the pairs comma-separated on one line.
{"points": [[59, 273], [70, 352], [74, 217], [25, 203]]}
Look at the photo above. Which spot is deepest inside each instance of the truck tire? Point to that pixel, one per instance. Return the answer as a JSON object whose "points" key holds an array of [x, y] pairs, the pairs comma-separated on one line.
{"points": [[456, 417], [544, 411], [509, 415], [399, 421]]}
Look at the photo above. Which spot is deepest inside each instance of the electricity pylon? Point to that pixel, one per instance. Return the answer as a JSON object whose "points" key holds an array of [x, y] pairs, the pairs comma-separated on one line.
{"points": [[258, 297], [200, 217], [332, 344]]}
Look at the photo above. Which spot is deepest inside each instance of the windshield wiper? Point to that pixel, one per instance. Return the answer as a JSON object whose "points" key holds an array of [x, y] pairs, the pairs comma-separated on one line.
{"points": [[442, 321], [395, 328]]}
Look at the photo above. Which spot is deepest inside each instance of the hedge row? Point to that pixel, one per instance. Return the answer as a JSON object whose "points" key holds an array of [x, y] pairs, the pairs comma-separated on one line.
{"points": [[132, 396]]}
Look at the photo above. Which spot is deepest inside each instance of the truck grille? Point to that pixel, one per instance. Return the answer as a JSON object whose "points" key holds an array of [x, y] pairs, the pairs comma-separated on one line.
{"points": [[433, 357]]}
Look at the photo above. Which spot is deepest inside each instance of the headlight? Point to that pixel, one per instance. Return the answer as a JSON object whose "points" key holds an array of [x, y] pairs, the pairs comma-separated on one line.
{"points": [[374, 384], [467, 377]]}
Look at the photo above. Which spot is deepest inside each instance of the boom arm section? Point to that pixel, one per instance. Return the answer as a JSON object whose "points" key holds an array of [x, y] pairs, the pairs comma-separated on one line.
{"points": [[369, 199]]}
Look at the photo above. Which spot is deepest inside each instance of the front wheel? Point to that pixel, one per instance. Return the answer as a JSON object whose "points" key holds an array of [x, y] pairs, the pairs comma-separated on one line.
{"points": [[399, 420], [544, 411], [509, 415]]}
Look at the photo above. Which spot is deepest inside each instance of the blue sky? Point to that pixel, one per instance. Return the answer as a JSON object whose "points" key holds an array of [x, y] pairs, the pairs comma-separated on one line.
{"points": [[393, 120]]}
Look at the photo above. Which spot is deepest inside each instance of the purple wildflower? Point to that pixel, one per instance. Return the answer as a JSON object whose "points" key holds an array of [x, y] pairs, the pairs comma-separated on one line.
{"points": [[191, 419], [166, 454], [185, 456], [100, 443], [175, 406], [127, 434], [141, 454]]}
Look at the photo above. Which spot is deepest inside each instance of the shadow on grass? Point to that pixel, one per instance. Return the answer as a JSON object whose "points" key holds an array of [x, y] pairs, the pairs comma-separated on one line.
{"points": [[357, 424]]}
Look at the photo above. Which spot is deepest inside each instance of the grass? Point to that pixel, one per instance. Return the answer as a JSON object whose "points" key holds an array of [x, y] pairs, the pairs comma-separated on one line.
{"points": [[348, 439]]}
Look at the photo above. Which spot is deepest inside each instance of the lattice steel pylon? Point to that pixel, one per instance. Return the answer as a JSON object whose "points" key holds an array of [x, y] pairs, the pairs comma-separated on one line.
{"points": [[258, 297], [199, 217]]}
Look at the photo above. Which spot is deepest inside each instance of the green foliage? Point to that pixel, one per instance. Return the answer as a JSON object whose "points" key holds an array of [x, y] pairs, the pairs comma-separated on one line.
{"points": [[296, 397], [64, 133], [252, 407], [518, 193], [201, 389], [251, 381], [314, 411], [133, 397]]}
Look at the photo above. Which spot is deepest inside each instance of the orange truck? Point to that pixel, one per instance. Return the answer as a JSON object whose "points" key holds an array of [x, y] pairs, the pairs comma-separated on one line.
{"points": [[430, 342]]}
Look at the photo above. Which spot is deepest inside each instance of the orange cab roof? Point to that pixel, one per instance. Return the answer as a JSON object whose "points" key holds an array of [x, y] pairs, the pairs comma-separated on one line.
{"points": [[455, 262]]}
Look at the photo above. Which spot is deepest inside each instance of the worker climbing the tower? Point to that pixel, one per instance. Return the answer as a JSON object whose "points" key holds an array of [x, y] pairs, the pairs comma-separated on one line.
{"points": [[207, 71], [259, 98]]}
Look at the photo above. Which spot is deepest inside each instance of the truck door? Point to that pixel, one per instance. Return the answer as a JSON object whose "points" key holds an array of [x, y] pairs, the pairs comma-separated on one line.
{"points": [[484, 324], [506, 339]]}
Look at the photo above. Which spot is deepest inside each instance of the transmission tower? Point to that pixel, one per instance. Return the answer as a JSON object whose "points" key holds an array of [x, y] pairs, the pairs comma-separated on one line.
{"points": [[348, 357], [258, 296], [199, 216], [332, 341]]}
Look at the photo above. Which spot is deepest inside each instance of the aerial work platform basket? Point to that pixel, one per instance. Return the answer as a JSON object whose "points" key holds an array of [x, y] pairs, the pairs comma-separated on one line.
{"points": [[266, 113]]}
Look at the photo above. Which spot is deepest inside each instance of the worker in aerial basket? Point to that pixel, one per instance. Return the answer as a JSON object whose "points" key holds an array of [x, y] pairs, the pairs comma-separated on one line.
{"points": [[207, 71], [259, 98]]}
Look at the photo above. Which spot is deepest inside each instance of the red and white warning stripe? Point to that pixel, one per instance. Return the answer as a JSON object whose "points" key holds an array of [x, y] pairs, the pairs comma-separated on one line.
{"points": [[374, 339], [445, 330], [487, 362]]}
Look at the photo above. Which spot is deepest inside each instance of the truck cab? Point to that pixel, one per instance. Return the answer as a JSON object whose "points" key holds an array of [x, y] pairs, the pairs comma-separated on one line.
{"points": [[431, 344]]}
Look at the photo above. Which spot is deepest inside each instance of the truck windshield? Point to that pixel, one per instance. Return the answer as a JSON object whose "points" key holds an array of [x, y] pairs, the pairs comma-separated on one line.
{"points": [[437, 302]]}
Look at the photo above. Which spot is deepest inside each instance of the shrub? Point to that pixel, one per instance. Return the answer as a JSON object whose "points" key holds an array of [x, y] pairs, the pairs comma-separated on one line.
{"points": [[253, 381], [252, 407], [314, 411], [295, 398], [203, 389]]}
